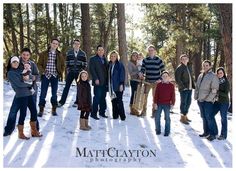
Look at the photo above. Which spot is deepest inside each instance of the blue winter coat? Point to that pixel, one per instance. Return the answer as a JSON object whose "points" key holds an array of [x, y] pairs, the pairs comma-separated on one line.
{"points": [[118, 75]]}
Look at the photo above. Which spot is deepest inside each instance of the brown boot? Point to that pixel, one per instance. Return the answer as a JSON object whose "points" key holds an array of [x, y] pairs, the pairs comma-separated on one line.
{"points": [[34, 131], [82, 125], [41, 110], [86, 124], [183, 119], [54, 112], [21, 134]]}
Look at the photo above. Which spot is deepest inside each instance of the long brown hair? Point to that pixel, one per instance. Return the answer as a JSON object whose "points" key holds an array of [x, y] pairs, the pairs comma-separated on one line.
{"points": [[132, 54], [79, 77]]}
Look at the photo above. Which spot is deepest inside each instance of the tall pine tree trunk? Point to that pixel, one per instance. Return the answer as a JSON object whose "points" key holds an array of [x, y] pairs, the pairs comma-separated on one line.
{"points": [[226, 32], [28, 25], [36, 29], [122, 36], [11, 26], [85, 29], [55, 20], [49, 26], [21, 26]]}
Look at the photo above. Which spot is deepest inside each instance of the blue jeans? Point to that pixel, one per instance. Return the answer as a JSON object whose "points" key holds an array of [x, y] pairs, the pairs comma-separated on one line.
{"points": [[69, 79], [223, 108], [44, 88], [185, 101], [11, 120], [166, 109], [208, 118], [133, 85], [99, 99]]}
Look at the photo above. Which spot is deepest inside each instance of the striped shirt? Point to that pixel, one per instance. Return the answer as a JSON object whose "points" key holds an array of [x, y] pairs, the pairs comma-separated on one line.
{"points": [[51, 65], [152, 68]]}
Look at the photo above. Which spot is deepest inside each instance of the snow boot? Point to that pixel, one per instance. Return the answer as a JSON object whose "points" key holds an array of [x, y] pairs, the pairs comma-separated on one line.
{"points": [[183, 120], [41, 110], [82, 125], [86, 124], [21, 134], [34, 131], [54, 112]]}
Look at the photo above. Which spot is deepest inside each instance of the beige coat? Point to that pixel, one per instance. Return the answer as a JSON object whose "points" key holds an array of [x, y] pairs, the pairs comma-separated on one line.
{"points": [[207, 87], [133, 70]]}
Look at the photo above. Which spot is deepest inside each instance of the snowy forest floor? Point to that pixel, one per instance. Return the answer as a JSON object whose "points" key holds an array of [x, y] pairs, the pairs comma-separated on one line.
{"points": [[62, 136]]}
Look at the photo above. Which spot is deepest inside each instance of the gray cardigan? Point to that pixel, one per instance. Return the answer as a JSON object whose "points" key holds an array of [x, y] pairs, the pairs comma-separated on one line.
{"points": [[133, 70], [22, 89]]}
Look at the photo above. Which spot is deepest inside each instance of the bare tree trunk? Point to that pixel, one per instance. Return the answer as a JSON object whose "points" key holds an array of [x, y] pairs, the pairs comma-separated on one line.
{"points": [[36, 29], [216, 56], [10, 23], [226, 32], [222, 58], [107, 33], [85, 29], [28, 24], [6, 46], [49, 26], [55, 19], [21, 27], [122, 36]]}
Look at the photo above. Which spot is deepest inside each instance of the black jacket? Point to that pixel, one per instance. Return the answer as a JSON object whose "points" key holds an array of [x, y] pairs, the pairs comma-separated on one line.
{"points": [[182, 77], [98, 70]]}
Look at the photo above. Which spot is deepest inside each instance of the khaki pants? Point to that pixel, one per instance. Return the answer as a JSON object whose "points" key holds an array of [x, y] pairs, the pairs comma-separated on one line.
{"points": [[147, 90]]}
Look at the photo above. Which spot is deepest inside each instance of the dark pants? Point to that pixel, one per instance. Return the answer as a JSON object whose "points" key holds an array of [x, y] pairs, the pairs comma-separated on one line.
{"points": [[223, 108], [99, 99], [69, 79], [84, 115], [208, 118], [118, 106], [11, 120], [185, 101], [133, 85], [166, 109], [44, 88]]}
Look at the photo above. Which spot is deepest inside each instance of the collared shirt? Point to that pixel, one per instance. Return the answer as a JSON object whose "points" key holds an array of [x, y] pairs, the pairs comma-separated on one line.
{"points": [[51, 65], [190, 79]]}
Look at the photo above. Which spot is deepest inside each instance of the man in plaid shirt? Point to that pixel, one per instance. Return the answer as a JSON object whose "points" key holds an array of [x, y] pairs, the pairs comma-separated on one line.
{"points": [[51, 65]]}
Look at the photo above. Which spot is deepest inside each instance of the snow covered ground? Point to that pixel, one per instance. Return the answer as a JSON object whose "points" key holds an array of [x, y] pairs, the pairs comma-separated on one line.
{"points": [[133, 140]]}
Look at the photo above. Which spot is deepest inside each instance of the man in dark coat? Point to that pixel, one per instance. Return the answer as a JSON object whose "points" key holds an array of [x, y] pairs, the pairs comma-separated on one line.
{"points": [[185, 81], [98, 67]]}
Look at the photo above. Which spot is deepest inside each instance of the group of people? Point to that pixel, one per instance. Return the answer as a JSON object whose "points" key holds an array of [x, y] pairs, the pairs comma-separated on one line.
{"points": [[108, 75], [211, 92]]}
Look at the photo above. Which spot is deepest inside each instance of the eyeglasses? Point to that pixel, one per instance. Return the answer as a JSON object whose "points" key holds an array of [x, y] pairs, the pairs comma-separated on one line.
{"points": [[15, 62]]}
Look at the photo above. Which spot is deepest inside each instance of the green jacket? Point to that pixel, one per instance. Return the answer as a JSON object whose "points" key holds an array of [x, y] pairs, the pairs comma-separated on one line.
{"points": [[43, 59], [223, 93], [182, 77]]}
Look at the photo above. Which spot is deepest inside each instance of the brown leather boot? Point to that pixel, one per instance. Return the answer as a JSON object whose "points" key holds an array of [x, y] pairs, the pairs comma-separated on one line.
{"points": [[34, 131], [41, 110], [82, 125], [54, 112], [86, 124], [183, 120], [21, 134]]}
